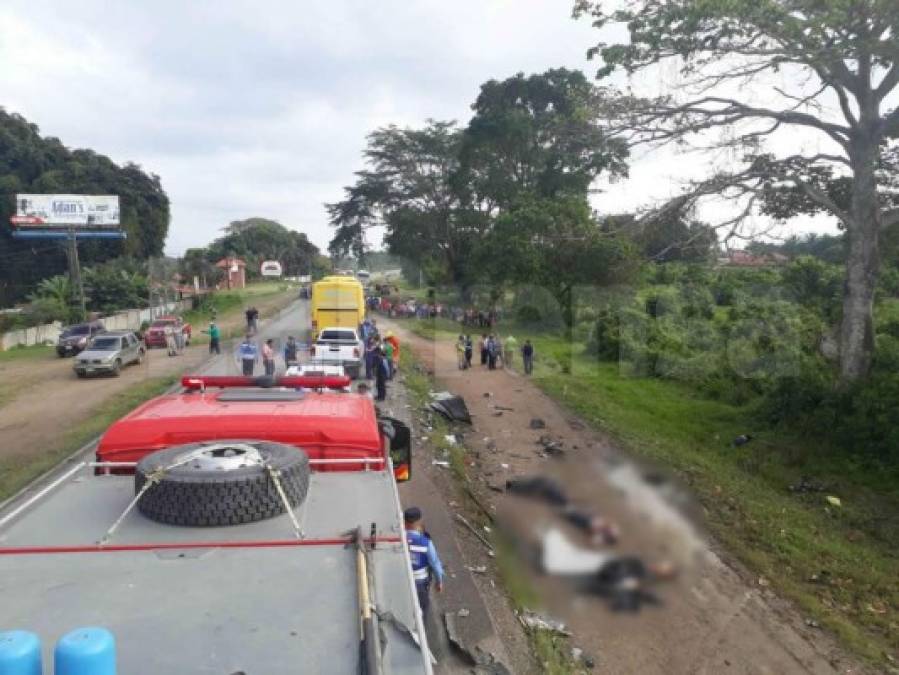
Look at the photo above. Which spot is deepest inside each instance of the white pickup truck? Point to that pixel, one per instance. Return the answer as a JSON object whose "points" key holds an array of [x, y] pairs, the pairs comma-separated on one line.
{"points": [[341, 346]]}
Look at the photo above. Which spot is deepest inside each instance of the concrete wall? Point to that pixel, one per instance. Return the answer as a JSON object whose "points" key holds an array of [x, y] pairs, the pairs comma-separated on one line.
{"points": [[130, 319]]}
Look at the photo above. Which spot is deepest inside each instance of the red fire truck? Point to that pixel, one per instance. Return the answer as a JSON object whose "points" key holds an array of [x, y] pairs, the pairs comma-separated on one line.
{"points": [[226, 528]]}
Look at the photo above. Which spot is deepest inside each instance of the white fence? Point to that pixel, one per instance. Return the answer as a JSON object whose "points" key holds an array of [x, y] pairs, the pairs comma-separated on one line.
{"points": [[130, 319]]}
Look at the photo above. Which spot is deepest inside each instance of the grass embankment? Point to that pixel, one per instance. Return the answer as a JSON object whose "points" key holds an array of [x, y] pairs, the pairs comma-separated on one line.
{"points": [[550, 650], [20, 353], [16, 471], [838, 563]]}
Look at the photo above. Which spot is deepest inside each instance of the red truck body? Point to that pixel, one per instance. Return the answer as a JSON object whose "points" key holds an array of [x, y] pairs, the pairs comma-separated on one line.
{"points": [[325, 425]]}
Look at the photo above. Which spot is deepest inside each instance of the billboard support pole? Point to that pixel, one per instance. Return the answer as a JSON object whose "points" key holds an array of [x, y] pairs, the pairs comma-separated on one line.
{"points": [[75, 271]]}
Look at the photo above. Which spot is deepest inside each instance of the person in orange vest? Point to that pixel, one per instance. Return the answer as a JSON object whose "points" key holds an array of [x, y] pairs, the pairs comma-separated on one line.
{"points": [[395, 355]]}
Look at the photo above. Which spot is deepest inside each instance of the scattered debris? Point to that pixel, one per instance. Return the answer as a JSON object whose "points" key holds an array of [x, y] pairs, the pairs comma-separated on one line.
{"points": [[536, 621], [578, 656], [451, 439], [475, 532], [490, 443], [537, 423], [477, 569], [440, 462], [484, 663], [538, 486], [763, 582], [452, 407], [498, 413], [487, 394], [504, 466], [741, 440], [811, 623], [462, 613], [503, 407], [833, 501], [806, 485]]}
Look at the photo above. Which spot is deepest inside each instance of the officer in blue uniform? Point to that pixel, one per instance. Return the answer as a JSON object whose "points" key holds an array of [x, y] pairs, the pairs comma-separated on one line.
{"points": [[248, 354], [426, 565]]}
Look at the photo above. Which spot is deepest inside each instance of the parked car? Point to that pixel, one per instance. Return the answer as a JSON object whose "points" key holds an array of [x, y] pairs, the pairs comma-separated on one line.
{"points": [[109, 353], [75, 338], [155, 334], [340, 346]]}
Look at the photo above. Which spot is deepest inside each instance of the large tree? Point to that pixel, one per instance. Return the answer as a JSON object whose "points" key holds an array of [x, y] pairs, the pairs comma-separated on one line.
{"points": [[258, 239], [439, 191], [806, 54]]}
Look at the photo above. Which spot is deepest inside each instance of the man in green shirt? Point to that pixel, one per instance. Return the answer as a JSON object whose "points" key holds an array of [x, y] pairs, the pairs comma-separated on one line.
{"points": [[214, 335], [388, 350], [509, 350]]}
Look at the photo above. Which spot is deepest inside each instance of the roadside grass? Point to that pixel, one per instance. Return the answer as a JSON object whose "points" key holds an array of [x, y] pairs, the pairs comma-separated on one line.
{"points": [[838, 563], [551, 651], [20, 353], [17, 471]]}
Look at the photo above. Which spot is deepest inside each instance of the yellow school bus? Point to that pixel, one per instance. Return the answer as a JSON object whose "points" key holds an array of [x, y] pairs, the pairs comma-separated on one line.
{"points": [[337, 301]]}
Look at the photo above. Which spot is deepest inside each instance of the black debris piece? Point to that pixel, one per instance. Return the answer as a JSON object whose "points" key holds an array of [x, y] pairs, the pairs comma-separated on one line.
{"points": [[537, 423], [538, 486], [452, 407], [741, 440], [621, 581]]}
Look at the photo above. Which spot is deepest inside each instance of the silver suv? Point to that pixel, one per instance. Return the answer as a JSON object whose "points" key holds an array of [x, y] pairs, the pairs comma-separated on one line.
{"points": [[109, 353]]}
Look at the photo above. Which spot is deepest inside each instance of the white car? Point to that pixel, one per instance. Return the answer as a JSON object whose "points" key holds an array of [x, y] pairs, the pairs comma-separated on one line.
{"points": [[339, 346]]}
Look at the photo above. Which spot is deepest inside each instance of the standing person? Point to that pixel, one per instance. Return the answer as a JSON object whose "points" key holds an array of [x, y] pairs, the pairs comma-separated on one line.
{"points": [[382, 373], [527, 356], [491, 353], [214, 337], [249, 315], [178, 331], [249, 354], [394, 342], [170, 345], [426, 565], [482, 347], [460, 352], [290, 351], [387, 349], [371, 350], [268, 357], [509, 350], [469, 349]]}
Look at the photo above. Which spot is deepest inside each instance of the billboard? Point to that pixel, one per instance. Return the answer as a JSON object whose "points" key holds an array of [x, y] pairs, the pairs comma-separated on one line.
{"points": [[66, 210], [271, 268]]}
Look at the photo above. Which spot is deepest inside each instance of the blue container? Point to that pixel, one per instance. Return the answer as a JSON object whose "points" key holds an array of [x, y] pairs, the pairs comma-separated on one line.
{"points": [[85, 651], [20, 653]]}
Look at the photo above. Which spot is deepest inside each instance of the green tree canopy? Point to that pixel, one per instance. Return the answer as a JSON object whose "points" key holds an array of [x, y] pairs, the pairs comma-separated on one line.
{"points": [[258, 239], [32, 163], [837, 70]]}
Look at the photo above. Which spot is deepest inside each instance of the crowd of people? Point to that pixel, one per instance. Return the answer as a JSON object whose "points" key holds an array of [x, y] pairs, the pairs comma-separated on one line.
{"points": [[494, 352]]}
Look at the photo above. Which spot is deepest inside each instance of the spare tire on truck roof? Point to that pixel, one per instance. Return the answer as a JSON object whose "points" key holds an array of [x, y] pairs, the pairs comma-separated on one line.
{"points": [[221, 482]]}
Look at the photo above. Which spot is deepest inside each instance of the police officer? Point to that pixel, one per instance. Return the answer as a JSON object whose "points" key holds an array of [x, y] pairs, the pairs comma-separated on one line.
{"points": [[426, 565], [249, 355]]}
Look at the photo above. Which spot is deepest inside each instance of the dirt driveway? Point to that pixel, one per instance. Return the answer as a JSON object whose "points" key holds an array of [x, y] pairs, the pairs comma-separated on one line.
{"points": [[715, 618]]}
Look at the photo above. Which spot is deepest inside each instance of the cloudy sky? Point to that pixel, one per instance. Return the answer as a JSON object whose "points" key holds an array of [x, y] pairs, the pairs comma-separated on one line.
{"points": [[261, 108]]}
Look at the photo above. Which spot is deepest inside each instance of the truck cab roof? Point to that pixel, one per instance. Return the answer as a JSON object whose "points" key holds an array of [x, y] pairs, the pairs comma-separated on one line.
{"points": [[325, 425]]}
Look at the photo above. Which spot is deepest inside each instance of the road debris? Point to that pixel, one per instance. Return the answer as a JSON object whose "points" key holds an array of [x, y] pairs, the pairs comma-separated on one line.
{"points": [[440, 462], [450, 406], [833, 501], [537, 423], [536, 621], [471, 528], [477, 569]]}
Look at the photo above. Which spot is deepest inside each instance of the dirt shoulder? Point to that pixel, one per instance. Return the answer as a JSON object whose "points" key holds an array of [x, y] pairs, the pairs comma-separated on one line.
{"points": [[715, 618], [47, 406]]}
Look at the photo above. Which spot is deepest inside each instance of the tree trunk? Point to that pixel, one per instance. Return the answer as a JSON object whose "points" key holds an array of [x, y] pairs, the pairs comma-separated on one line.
{"points": [[857, 328]]}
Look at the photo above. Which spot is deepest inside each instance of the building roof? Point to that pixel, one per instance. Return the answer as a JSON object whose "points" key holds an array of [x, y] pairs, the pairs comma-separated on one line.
{"points": [[227, 262]]}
